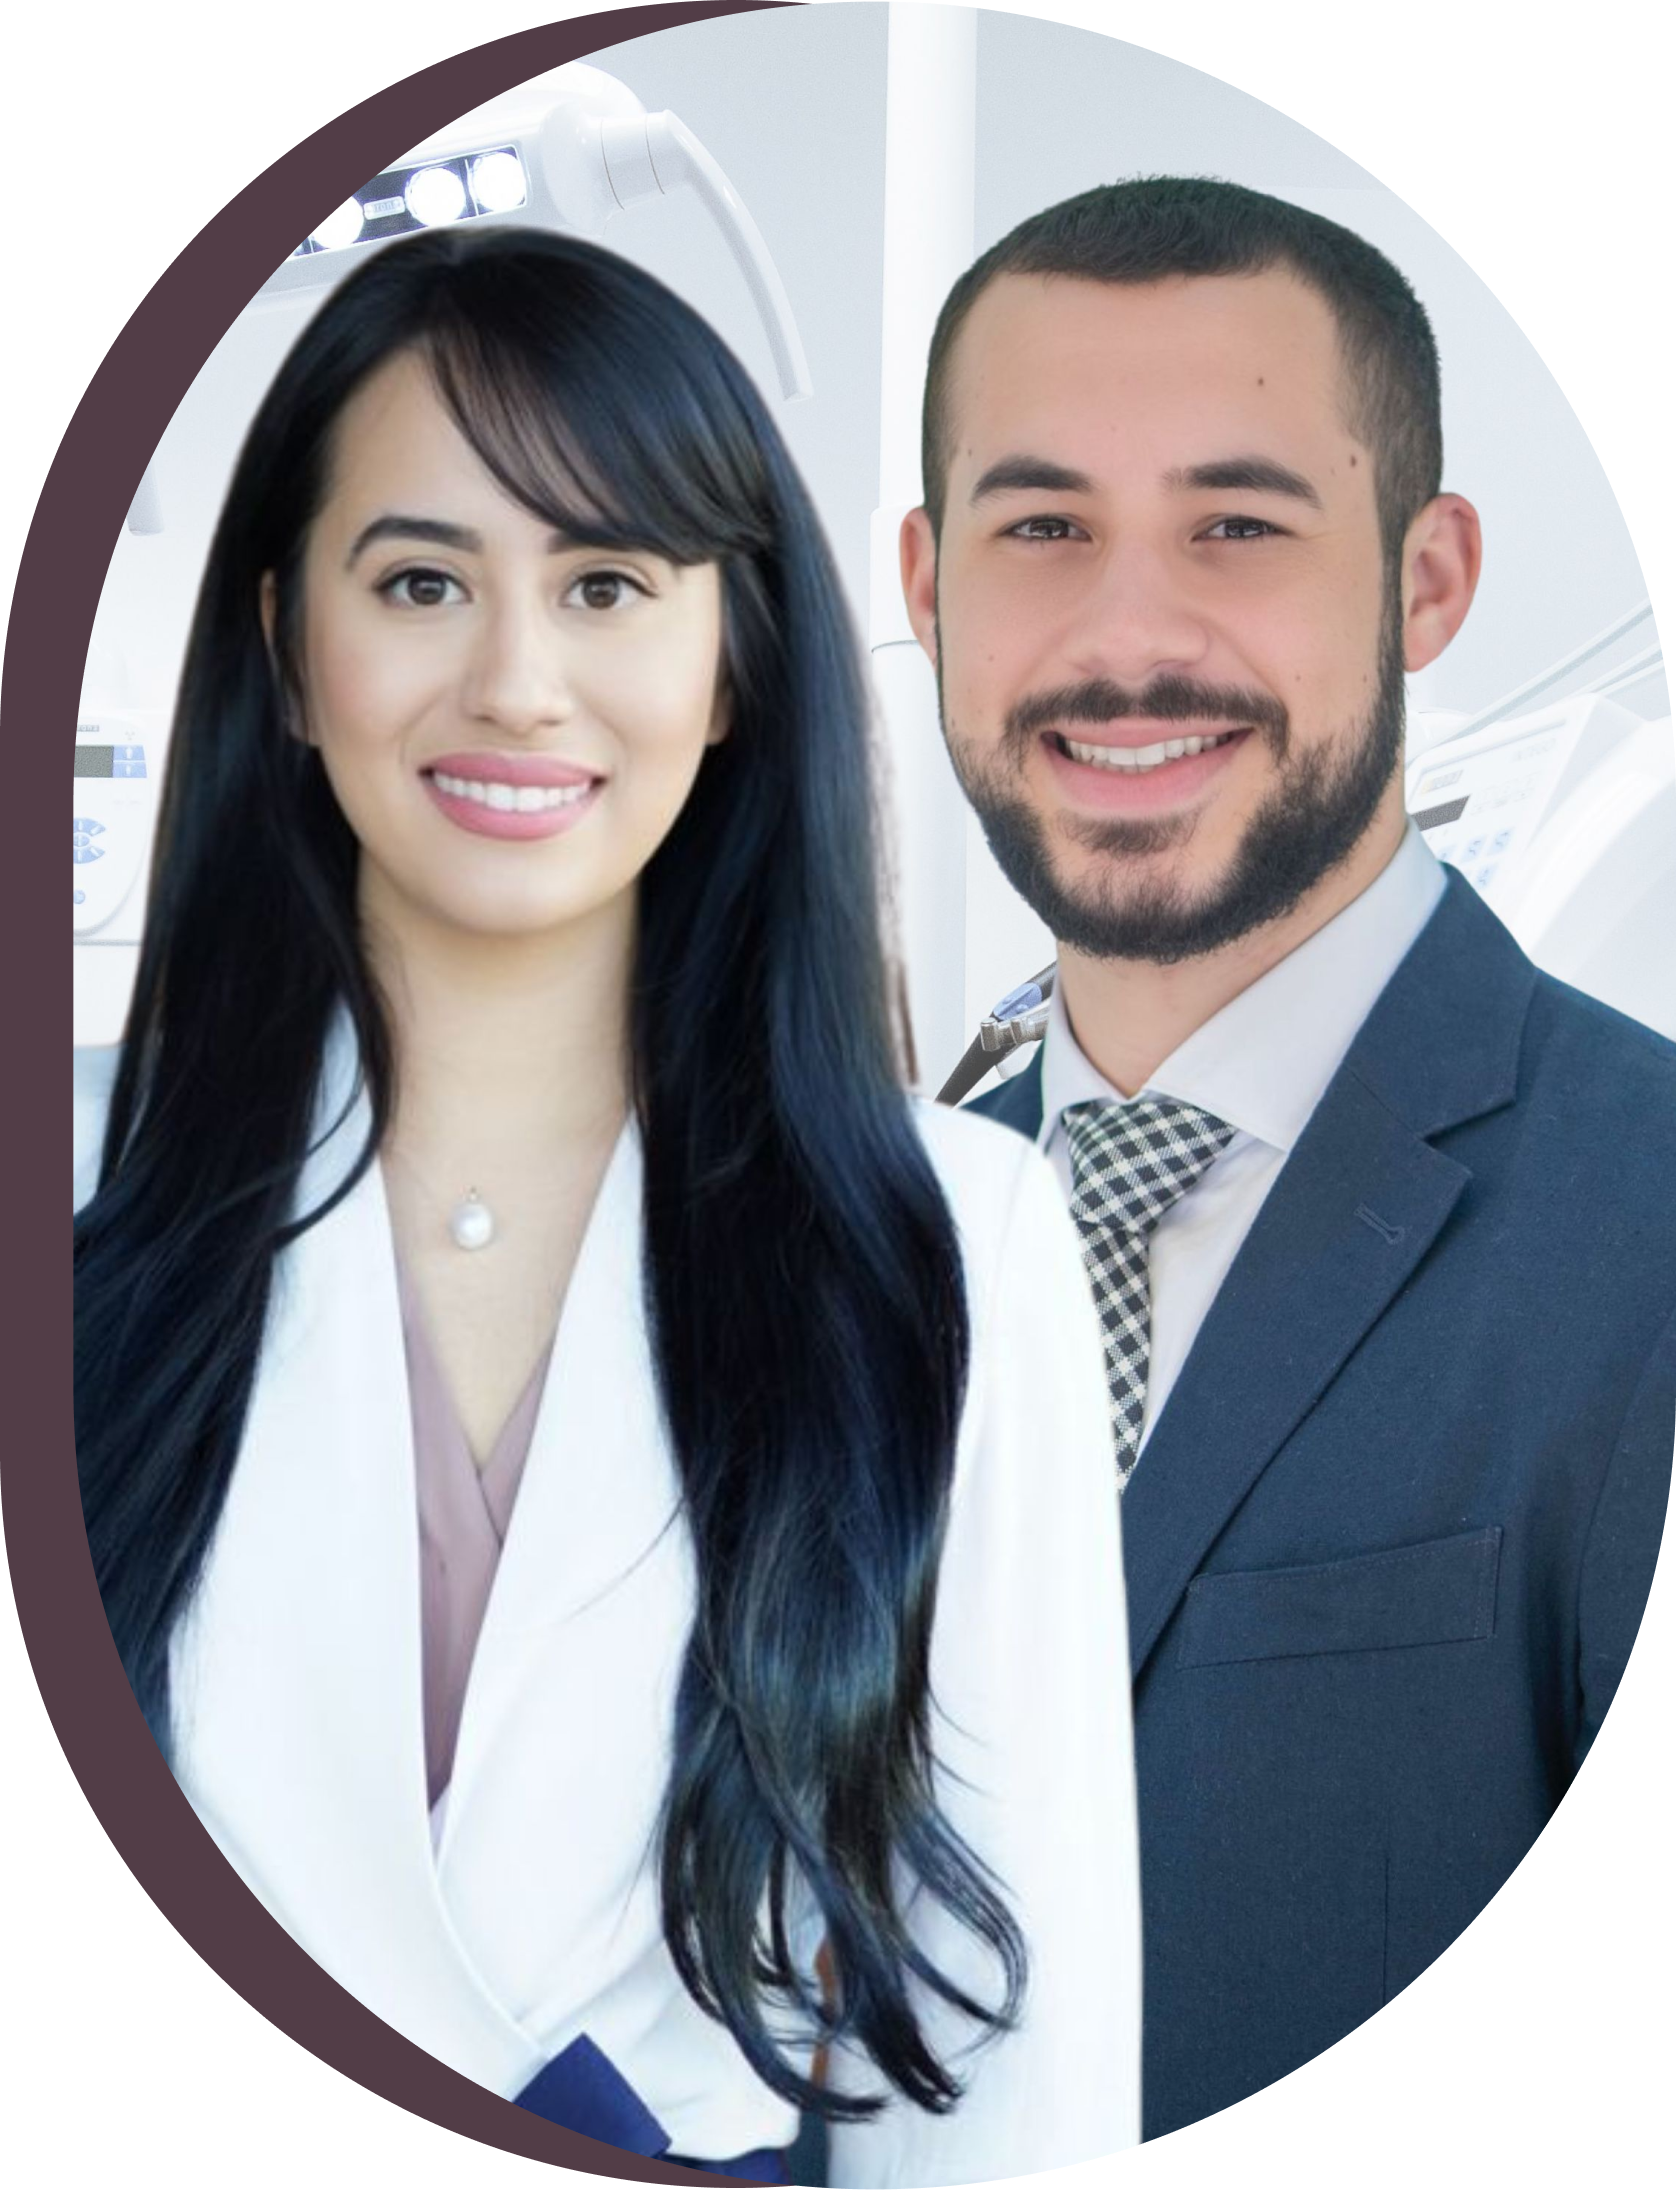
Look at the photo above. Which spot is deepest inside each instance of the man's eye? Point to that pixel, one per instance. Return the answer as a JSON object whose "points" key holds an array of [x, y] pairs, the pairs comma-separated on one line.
{"points": [[419, 588], [1042, 528], [1239, 528]]}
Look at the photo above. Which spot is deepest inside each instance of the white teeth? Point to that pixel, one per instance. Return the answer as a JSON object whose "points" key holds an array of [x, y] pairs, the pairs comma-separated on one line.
{"points": [[1135, 759], [511, 798]]}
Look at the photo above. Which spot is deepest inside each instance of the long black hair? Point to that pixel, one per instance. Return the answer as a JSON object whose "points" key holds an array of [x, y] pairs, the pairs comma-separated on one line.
{"points": [[802, 1274]]}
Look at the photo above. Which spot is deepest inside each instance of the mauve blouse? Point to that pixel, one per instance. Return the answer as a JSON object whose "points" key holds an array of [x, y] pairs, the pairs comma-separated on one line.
{"points": [[464, 1513]]}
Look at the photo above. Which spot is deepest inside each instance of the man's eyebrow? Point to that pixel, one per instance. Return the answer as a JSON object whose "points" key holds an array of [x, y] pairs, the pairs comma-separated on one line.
{"points": [[1029, 474], [1228, 474], [1245, 475]]}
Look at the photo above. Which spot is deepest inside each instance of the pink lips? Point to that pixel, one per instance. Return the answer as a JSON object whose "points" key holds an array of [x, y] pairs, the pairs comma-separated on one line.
{"points": [[519, 772], [543, 770]]}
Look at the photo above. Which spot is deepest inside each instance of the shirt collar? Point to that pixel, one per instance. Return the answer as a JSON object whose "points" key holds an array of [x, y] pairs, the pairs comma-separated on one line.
{"points": [[1264, 1060]]}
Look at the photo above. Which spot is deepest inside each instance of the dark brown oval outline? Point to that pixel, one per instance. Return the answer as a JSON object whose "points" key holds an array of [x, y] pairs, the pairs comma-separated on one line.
{"points": [[93, 476], [1521, 1987]]}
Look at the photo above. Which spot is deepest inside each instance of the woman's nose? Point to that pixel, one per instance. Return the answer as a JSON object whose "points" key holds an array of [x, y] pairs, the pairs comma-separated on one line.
{"points": [[517, 679]]}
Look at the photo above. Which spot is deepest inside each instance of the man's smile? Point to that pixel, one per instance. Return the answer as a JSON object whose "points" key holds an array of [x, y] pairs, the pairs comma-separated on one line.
{"points": [[1131, 757], [1138, 766]]}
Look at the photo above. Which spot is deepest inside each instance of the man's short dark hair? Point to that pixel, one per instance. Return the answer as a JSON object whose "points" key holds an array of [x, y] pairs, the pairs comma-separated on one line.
{"points": [[1169, 225]]}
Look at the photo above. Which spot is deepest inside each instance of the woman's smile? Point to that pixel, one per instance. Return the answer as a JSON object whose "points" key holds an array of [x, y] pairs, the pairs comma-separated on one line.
{"points": [[522, 798], [515, 796]]}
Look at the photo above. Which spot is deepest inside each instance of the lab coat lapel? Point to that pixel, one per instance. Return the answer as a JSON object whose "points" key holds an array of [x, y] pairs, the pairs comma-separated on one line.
{"points": [[1357, 1205], [301, 1708], [599, 1489]]}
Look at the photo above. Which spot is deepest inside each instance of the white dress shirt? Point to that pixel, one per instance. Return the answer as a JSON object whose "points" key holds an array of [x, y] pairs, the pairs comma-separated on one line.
{"points": [[1262, 1063]]}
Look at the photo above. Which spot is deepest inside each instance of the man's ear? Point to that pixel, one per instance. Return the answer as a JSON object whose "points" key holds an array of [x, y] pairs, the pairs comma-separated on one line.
{"points": [[919, 578], [1440, 563]]}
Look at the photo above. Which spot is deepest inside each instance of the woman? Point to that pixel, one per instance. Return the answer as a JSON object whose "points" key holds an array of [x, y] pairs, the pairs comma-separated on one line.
{"points": [[509, 1069]]}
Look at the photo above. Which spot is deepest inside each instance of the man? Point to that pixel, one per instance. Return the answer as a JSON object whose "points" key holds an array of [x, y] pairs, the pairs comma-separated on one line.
{"points": [[1381, 1221]]}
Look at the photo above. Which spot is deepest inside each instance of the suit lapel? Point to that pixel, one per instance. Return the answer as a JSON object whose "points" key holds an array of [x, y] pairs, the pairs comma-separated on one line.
{"points": [[1357, 1205], [1016, 1102]]}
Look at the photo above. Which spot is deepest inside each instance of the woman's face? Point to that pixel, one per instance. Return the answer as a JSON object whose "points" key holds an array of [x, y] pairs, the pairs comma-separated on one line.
{"points": [[511, 723]]}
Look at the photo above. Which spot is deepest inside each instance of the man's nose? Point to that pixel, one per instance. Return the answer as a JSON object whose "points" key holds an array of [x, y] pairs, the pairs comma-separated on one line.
{"points": [[1136, 620], [517, 677]]}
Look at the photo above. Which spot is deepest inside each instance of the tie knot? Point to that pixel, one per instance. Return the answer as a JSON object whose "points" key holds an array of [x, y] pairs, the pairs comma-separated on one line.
{"points": [[1130, 1162]]}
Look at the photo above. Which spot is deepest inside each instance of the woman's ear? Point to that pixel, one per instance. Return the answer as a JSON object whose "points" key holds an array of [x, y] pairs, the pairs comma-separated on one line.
{"points": [[267, 607], [721, 713]]}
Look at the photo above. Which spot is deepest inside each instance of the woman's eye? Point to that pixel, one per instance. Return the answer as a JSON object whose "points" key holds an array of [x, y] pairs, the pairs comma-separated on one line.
{"points": [[604, 589], [1239, 528], [419, 588]]}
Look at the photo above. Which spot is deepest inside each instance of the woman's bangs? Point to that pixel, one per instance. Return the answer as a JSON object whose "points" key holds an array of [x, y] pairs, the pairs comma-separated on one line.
{"points": [[601, 467]]}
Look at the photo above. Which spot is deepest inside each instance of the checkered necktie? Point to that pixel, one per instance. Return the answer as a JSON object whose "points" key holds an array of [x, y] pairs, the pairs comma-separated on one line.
{"points": [[1130, 1162]]}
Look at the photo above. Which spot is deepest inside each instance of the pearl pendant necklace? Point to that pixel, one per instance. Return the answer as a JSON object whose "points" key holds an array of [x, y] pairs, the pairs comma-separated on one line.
{"points": [[471, 1223]]}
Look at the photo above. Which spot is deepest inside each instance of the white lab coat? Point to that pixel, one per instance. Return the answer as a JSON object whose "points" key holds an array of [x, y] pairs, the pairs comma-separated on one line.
{"points": [[525, 1912]]}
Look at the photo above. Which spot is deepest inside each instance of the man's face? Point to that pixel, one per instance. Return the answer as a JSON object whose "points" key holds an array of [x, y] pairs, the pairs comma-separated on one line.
{"points": [[1169, 650]]}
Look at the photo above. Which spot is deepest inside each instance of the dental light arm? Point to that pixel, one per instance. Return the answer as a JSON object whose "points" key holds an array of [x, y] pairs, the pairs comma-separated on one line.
{"points": [[1019, 1018], [648, 155]]}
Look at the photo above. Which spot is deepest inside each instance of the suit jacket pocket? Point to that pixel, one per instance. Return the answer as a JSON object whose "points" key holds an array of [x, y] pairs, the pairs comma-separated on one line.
{"points": [[1387, 1600]]}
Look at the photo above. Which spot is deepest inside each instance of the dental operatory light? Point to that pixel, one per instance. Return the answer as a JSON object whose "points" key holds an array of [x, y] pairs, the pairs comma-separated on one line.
{"points": [[497, 182], [340, 229], [427, 194], [435, 196], [570, 150]]}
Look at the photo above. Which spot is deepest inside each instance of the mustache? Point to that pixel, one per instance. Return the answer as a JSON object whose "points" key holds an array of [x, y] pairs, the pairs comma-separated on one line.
{"points": [[1166, 699]]}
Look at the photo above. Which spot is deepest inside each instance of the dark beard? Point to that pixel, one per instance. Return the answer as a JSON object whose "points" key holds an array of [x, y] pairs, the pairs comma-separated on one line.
{"points": [[1318, 812]]}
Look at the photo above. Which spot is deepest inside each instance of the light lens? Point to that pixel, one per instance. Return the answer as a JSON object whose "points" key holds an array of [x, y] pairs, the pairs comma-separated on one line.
{"points": [[341, 228], [497, 182], [435, 196]]}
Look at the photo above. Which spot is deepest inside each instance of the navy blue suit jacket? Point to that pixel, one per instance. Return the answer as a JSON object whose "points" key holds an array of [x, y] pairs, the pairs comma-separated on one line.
{"points": [[1392, 1534]]}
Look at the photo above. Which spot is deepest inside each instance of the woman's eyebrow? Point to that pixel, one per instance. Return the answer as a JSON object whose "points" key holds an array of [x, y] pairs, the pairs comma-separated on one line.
{"points": [[435, 531], [438, 532]]}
